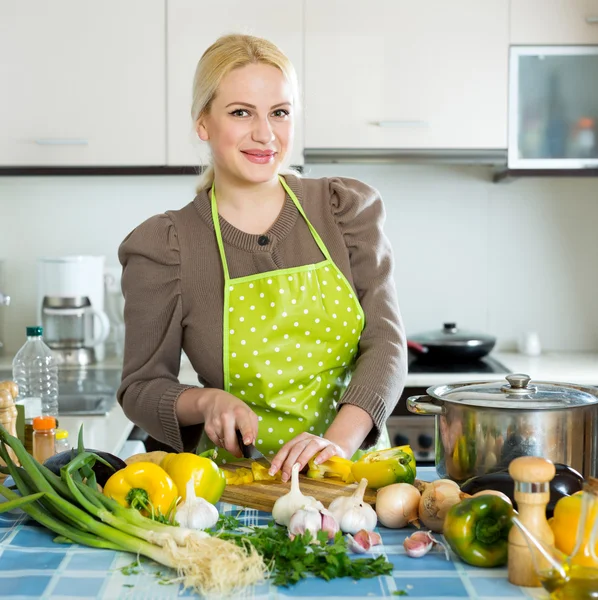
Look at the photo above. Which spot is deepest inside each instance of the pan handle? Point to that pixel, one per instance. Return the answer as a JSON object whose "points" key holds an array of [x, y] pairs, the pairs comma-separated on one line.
{"points": [[417, 407]]}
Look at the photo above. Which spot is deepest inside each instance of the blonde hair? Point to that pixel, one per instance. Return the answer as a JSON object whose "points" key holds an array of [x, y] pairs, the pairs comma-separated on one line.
{"points": [[225, 54]]}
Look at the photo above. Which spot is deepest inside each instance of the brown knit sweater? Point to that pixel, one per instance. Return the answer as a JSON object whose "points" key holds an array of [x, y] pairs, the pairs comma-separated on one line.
{"points": [[173, 287]]}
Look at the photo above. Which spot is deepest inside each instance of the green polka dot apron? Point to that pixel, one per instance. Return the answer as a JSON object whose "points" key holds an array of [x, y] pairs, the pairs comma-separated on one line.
{"points": [[290, 339]]}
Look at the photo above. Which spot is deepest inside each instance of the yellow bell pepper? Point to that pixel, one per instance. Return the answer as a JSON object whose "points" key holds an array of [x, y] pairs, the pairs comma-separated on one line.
{"points": [[334, 468], [565, 525], [210, 481], [383, 467], [146, 487]]}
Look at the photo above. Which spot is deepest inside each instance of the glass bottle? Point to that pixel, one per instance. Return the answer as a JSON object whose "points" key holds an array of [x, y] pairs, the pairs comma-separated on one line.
{"points": [[35, 371], [61, 443], [44, 431]]}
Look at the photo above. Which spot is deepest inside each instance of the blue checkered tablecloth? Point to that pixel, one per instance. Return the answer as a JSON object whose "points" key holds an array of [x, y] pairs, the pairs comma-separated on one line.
{"points": [[32, 566]]}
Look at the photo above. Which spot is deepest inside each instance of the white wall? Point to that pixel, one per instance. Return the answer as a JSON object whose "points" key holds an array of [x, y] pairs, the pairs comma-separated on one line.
{"points": [[500, 258]]}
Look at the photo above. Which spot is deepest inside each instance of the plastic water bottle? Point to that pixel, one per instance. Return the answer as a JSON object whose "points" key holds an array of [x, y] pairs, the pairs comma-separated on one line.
{"points": [[35, 371]]}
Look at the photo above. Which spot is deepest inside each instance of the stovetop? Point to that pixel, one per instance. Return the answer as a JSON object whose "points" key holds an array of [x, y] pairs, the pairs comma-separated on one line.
{"points": [[486, 364]]}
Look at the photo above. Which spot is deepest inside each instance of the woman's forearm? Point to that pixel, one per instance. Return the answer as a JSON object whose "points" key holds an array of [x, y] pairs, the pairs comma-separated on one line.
{"points": [[350, 427]]}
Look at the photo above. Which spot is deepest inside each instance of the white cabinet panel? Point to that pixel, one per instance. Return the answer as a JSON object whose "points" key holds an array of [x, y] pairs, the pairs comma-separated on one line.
{"points": [[82, 82], [192, 27], [554, 21], [403, 74]]}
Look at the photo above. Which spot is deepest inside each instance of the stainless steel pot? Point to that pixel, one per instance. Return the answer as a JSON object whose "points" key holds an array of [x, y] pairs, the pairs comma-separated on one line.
{"points": [[482, 426]]}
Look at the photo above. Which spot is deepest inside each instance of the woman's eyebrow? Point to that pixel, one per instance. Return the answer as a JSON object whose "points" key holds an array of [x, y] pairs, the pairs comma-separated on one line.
{"points": [[253, 106]]}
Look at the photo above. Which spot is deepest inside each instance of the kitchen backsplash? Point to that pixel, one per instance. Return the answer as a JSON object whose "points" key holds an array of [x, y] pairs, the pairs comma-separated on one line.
{"points": [[500, 258]]}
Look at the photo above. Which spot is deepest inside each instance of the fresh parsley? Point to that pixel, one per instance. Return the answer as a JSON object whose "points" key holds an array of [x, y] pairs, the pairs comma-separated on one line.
{"points": [[293, 560]]}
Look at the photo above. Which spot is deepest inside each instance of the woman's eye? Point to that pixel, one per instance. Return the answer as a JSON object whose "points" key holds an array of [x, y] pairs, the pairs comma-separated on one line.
{"points": [[281, 112], [239, 112]]}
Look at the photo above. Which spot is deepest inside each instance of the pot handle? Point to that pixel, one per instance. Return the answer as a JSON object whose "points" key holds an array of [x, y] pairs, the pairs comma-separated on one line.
{"points": [[423, 408]]}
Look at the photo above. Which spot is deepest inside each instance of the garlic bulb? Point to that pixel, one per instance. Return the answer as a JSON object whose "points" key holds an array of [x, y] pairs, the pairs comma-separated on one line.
{"points": [[352, 513], [195, 512], [313, 519], [286, 506], [305, 519]]}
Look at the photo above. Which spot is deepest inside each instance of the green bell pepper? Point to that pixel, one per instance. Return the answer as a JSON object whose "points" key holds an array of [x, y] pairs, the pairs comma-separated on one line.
{"points": [[477, 529]]}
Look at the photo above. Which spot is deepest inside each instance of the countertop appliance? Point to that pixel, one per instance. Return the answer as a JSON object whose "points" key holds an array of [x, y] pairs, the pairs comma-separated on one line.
{"points": [[418, 430], [71, 305]]}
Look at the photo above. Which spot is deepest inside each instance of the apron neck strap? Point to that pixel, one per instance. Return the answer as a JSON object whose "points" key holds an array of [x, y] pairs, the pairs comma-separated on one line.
{"points": [[216, 220], [292, 196]]}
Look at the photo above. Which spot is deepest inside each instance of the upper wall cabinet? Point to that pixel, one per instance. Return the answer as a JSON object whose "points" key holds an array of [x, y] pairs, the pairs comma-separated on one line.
{"points": [[192, 27], [554, 21], [405, 74], [82, 83]]}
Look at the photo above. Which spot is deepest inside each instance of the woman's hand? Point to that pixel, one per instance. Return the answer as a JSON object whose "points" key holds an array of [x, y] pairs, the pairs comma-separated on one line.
{"points": [[222, 415], [300, 450]]}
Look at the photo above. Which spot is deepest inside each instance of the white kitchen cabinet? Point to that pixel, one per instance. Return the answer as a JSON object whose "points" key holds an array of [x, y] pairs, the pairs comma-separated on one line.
{"points": [[191, 28], [554, 21], [82, 83], [402, 74]]}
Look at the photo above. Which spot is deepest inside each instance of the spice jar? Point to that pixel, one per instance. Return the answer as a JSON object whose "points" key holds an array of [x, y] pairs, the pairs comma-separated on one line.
{"points": [[44, 432]]}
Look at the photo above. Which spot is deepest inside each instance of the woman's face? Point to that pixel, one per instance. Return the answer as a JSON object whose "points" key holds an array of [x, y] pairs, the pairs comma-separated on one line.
{"points": [[250, 123]]}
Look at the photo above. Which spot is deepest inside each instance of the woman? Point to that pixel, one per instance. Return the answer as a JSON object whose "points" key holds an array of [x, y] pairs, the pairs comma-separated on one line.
{"points": [[278, 288]]}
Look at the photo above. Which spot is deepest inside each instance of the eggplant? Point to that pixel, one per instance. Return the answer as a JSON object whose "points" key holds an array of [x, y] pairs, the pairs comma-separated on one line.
{"points": [[566, 482], [103, 473]]}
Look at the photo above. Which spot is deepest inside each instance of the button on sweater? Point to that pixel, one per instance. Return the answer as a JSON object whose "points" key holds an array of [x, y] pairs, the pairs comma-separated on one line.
{"points": [[173, 287]]}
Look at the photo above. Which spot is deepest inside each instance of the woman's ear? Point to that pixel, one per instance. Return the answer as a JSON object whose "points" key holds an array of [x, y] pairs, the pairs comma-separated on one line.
{"points": [[200, 128]]}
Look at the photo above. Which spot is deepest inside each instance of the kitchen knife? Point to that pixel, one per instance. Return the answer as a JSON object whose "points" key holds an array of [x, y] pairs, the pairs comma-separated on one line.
{"points": [[251, 452]]}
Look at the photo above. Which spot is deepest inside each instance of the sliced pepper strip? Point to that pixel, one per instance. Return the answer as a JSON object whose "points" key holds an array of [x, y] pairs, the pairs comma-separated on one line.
{"points": [[260, 473], [334, 468], [384, 467], [477, 529], [209, 480], [146, 487], [238, 477]]}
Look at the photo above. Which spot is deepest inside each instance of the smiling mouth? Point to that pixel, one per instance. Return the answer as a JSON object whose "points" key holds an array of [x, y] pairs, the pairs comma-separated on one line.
{"points": [[259, 156]]}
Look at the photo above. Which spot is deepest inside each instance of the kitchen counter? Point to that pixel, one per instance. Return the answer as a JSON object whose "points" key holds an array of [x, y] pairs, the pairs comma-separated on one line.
{"points": [[32, 566]]}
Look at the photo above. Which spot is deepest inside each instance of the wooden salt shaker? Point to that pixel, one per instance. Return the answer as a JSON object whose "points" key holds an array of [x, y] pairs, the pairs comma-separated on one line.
{"points": [[8, 416], [532, 476]]}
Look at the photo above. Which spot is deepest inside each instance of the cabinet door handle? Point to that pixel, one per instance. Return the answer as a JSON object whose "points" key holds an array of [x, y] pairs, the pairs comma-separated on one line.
{"points": [[401, 123], [592, 20], [62, 142]]}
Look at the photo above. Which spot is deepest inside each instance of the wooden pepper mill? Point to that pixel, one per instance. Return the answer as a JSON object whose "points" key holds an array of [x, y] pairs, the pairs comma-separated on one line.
{"points": [[532, 476]]}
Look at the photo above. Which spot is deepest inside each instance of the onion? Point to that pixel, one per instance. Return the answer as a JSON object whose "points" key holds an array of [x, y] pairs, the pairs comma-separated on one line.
{"points": [[436, 500], [396, 505]]}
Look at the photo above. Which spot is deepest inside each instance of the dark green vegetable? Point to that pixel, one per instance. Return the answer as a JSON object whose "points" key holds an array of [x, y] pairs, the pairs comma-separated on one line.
{"points": [[566, 482], [102, 472]]}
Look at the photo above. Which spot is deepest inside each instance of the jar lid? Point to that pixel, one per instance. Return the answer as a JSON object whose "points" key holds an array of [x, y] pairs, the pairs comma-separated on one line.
{"points": [[518, 392], [61, 434], [43, 423]]}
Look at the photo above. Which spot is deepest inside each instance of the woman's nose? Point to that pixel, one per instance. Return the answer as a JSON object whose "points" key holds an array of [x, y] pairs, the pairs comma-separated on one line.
{"points": [[262, 131]]}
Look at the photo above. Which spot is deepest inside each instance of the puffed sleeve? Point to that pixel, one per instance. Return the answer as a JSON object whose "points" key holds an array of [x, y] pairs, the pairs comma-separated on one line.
{"points": [[153, 332], [381, 366]]}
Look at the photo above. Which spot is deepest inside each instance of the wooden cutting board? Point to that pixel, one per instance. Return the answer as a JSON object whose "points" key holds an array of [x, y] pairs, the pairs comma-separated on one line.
{"points": [[263, 494]]}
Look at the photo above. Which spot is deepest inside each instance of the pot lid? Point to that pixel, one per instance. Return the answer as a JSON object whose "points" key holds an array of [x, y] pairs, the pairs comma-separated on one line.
{"points": [[516, 391], [451, 335]]}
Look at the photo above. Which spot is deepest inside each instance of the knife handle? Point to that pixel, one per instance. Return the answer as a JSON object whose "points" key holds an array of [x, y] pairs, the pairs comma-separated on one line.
{"points": [[244, 450]]}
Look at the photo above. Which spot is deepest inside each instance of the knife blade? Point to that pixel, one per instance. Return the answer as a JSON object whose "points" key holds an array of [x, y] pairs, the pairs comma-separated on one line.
{"points": [[251, 452]]}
